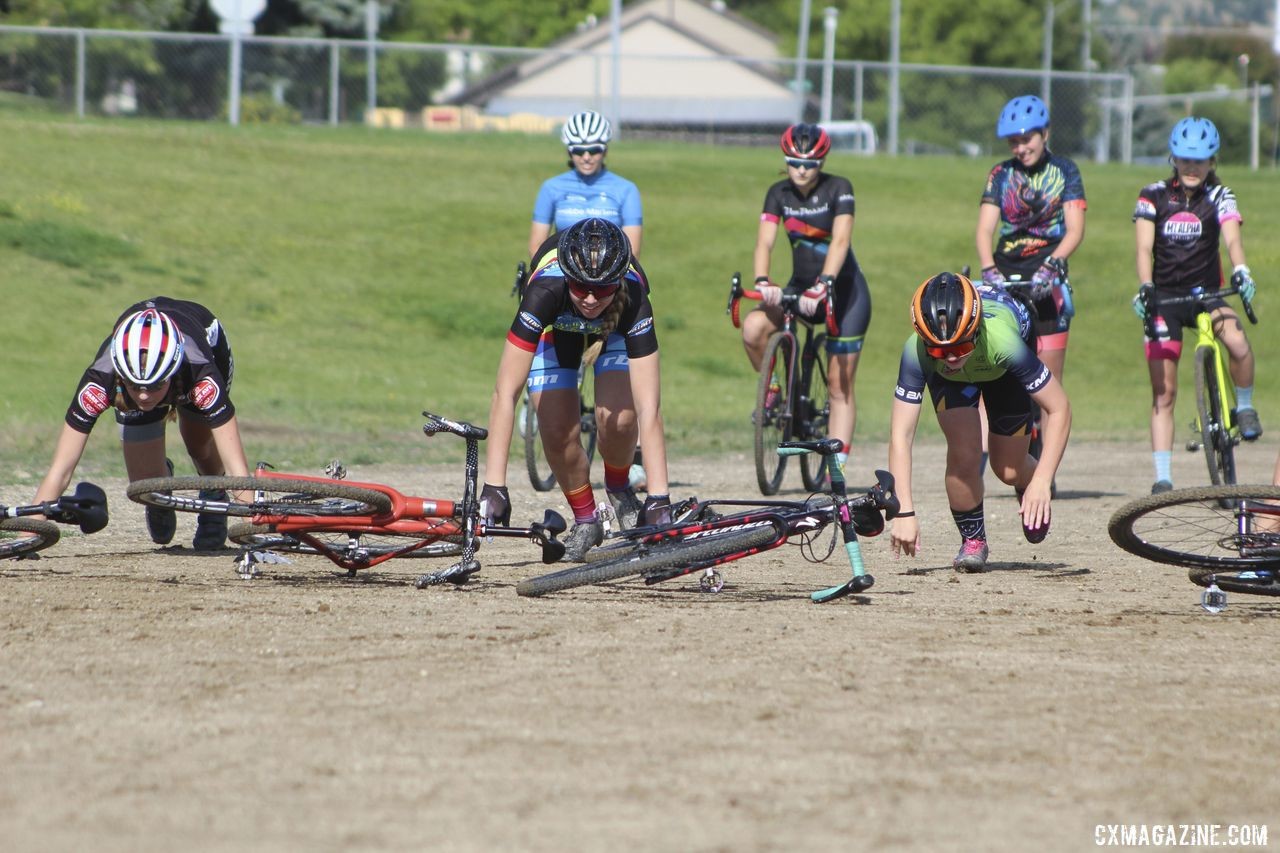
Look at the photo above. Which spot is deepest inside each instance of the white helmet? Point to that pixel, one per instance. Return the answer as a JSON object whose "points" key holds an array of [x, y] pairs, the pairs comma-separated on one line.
{"points": [[586, 128], [146, 348]]}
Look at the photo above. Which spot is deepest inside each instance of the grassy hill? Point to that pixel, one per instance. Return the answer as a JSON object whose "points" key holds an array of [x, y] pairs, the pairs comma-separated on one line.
{"points": [[365, 275]]}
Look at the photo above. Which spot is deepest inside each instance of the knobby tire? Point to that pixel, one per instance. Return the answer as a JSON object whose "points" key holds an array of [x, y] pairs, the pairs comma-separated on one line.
{"points": [[816, 417], [14, 545], [774, 426], [1198, 528], [281, 496], [670, 554], [534, 460], [1215, 432], [264, 537]]}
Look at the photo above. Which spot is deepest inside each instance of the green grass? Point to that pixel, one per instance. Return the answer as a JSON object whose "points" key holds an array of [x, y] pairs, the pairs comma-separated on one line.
{"points": [[365, 275]]}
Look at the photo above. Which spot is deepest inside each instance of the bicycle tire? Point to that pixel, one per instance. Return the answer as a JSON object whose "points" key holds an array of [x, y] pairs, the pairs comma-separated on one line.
{"points": [[535, 461], [45, 533], [773, 425], [266, 537], [280, 496], [1197, 528], [1230, 581], [669, 554], [1215, 434], [817, 416]]}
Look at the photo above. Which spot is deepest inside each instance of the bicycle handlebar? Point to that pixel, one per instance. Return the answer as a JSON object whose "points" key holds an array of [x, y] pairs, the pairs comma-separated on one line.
{"points": [[437, 423], [789, 304], [1151, 300], [522, 277]]}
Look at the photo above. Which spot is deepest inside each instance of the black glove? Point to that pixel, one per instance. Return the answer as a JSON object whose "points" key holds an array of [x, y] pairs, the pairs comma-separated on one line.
{"points": [[657, 510], [497, 510]]}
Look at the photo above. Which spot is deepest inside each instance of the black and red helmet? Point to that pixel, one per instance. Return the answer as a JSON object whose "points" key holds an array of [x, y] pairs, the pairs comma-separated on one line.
{"points": [[805, 142], [946, 310]]}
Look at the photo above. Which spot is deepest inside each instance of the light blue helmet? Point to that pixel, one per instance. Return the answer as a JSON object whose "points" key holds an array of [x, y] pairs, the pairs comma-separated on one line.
{"points": [[1194, 138], [1023, 114]]}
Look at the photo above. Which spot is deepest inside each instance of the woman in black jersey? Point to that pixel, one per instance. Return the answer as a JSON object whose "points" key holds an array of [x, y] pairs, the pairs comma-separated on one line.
{"points": [[166, 359], [816, 209]]}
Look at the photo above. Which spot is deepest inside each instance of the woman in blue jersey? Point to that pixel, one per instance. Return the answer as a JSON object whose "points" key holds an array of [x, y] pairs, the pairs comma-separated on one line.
{"points": [[586, 304], [816, 210], [972, 344], [1030, 221], [588, 189], [1179, 222]]}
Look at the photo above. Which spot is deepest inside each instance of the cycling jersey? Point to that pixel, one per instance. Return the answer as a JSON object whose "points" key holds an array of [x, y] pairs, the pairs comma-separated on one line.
{"points": [[1188, 228], [1031, 203], [1003, 370], [569, 197], [546, 310], [809, 221], [201, 385]]}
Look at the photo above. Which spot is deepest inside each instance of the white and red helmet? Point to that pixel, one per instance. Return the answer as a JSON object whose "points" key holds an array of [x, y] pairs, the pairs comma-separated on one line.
{"points": [[146, 347]]}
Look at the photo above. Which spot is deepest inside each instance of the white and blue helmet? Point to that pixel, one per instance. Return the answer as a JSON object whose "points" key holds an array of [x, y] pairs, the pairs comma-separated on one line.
{"points": [[586, 128]]}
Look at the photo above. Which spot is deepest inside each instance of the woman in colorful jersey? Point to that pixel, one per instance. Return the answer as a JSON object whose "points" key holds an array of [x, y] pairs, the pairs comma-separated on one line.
{"points": [[586, 303], [166, 359], [1035, 200], [972, 344], [816, 209], [1179, 222], [588, 189]]}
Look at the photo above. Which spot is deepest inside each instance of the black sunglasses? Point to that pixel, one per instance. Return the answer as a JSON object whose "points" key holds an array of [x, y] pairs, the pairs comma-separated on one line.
{"points": [[579, 150]]}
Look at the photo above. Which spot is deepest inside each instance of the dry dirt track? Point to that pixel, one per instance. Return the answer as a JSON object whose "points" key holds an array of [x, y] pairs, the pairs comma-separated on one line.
{"points": [[151, 700]]}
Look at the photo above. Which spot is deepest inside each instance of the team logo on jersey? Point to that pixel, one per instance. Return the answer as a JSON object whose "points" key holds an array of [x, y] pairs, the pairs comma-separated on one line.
{"points": [[1146, 209], [205, 394], [641, 327], [1183, 227], [93, 399], [530, 322]]}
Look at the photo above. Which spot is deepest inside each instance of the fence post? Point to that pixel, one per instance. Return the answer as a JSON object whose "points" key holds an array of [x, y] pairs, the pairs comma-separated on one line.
{"points": [[334, 79], [80, 73], [802, 54], [829, 16], [233, 82], [1255, 127], [1126, 126], [895, 72]]}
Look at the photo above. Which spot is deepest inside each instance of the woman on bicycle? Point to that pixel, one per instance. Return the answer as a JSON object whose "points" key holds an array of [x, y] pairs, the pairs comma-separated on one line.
{"points": [[1035, 201], [817, 209], [166, 359], [588, 190], [586, 303], [969, 345], [1179, 222]]}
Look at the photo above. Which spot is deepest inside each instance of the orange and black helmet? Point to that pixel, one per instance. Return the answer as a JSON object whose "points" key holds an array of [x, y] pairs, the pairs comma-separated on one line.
{"points": [[805, 141], [946, 310]]}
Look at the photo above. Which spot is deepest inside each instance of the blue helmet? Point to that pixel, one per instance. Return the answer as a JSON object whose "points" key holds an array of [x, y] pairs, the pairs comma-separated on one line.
{"points": [[1194, 138], [1022, 115]]}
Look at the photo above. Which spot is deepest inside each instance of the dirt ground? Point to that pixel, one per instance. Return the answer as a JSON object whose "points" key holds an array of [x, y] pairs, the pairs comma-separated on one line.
{"points": [[152, 700]]}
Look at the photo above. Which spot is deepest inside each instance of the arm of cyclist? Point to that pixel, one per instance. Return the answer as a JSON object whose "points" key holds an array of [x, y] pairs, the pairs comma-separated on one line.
{"points": [[904, 532], [66, 456], [1055, 422], [538, 232], [645, 392], [1144, 242], [837, 254], [984, 237], [1241, 276], [513, 370], [766, 236], [634, 233]]}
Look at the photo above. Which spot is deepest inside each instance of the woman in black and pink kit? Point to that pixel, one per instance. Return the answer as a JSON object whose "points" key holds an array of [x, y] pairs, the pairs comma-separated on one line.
{"points": [[816, 210]]}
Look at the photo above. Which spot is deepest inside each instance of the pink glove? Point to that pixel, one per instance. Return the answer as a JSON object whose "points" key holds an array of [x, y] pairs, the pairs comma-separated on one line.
{"points": [[815, 297], [770, 293]]}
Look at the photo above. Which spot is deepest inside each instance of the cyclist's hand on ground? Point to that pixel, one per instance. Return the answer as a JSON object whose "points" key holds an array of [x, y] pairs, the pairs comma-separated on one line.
{"points": [[992, 277], [1051, 273], [1242, 280], [496, 505], [904, 536], [657, 510], [770, 293], [1140, 300], [813, 298], [1035, 509]]}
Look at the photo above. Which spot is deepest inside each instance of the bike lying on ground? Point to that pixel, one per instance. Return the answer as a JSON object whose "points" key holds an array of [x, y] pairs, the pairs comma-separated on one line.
{"points": [[1215, 430], [355, 525], [791, 396], [702, 538], [21, 535], [1225, 535]]}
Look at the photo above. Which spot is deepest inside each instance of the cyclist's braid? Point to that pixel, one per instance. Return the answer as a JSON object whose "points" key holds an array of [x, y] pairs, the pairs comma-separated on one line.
{"points": [[611, 316]]}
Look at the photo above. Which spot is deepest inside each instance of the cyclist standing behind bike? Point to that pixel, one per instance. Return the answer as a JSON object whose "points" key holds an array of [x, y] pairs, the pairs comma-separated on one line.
{"points": [[1035, 200], [586, 303], [816, 209], [972, 345], [1179, 223], [166, 359]]}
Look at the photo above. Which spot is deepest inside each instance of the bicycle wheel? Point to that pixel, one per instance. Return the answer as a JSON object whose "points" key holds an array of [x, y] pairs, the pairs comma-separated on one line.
{"points": [[815, 415], [13, 544], [1215, 436], [773, 411], [266, 537], [1221, 528], [272, 496], [669, 554], [541, 476]]}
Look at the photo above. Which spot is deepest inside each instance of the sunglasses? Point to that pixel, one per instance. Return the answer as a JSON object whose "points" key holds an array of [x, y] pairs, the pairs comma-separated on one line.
{"points": [[601, 292], [583, 150], [957, 350], [802, 163]]}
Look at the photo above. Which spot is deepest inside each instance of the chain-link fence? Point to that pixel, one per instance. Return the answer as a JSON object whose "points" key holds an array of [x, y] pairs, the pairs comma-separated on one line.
{"points": [[905, 109]]}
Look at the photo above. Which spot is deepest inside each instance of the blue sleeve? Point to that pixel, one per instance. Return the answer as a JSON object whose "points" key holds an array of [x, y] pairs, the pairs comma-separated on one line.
{"points": [[631, 214], [544, 208]]}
